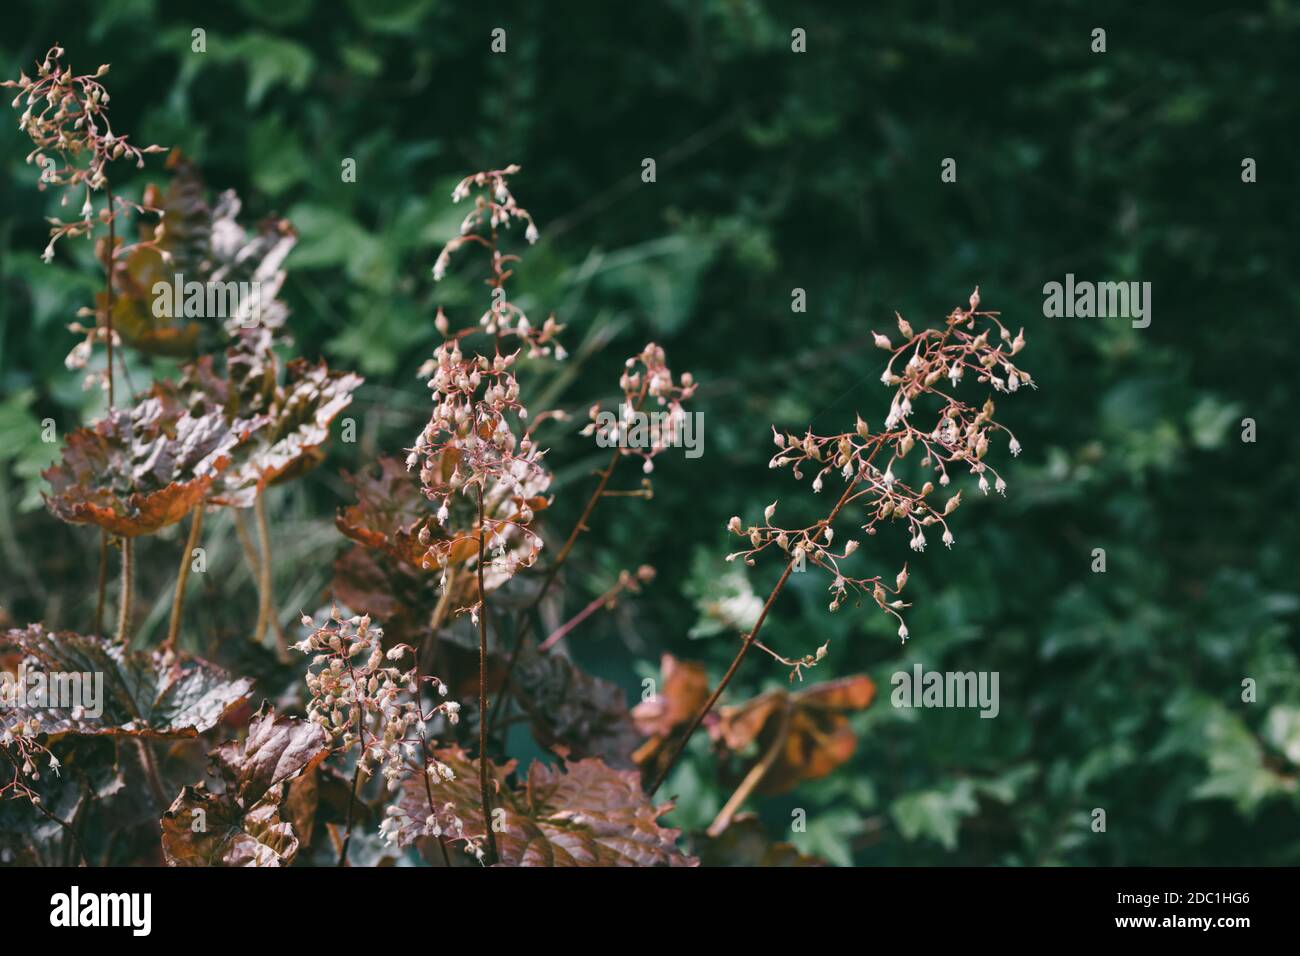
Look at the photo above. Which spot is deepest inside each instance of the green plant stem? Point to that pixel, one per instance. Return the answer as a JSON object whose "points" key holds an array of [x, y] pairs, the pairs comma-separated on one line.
{"points": [[128, 587], [263, 570], [182, 576]]}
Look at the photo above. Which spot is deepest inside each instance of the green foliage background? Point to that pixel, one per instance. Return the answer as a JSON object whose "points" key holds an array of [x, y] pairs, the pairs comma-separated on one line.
{"points": [[819, 171]]}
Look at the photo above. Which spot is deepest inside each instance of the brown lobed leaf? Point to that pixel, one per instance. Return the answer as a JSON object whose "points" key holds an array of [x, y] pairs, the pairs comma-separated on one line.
{"points": [[277, 749], [389, 513], [202, 243], [206, 829], [293, 422], [684, 690], [809, 728], [390, 591], [183, 233], [144, 694], [140, 470], [587, 814], [239, 824]]}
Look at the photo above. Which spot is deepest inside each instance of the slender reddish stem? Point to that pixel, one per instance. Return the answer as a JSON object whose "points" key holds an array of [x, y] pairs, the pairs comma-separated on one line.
{"points": [[560, 632], [108, 275], [745, 645], [484, 794], [356, 781], [526, 618]]}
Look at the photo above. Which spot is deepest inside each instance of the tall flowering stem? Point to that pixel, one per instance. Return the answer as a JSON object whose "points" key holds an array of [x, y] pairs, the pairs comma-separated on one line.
{"points": [[928, 363], [646, 378], [362, 698], [475, 442], [484, 791], [66, 116]]}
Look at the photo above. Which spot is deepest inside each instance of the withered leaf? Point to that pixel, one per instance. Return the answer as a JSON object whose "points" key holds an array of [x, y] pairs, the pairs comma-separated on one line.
{"points": [[684, 689], [238, 256], [177, 245], [587, 814], [809, 728], [301, 801], [144, 694], [203, 244]]}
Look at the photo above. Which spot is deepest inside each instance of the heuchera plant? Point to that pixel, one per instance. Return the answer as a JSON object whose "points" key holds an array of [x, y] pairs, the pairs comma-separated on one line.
{"points": [[450, 547]]}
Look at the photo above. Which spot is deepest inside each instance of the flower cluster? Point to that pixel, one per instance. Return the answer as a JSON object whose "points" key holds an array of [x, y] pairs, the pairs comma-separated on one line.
{"points": [[23, 751], [495, 209], [930, 362], [362, 698], [66, 116], [400, 828], [468, 445], [646, 376]]}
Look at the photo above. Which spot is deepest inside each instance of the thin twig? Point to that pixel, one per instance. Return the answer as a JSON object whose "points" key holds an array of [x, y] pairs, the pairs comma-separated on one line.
{"points": [[623, 582], [745, 645], [356, 779]]}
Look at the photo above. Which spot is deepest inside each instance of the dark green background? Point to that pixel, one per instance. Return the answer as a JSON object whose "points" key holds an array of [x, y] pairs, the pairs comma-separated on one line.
{"points": [[819, 171]]}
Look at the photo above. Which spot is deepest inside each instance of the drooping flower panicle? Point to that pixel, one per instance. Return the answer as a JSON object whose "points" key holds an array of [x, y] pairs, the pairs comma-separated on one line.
{"points": [[927, 363]]}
